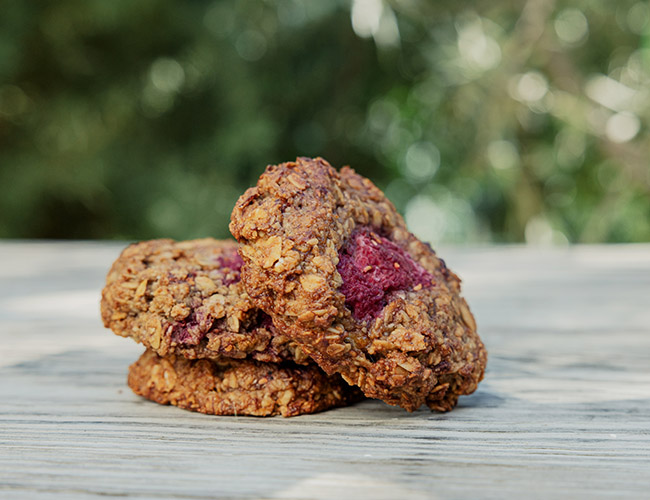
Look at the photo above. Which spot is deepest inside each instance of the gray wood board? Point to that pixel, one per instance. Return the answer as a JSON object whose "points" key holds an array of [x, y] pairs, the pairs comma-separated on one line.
{"points": [[564, 410]]}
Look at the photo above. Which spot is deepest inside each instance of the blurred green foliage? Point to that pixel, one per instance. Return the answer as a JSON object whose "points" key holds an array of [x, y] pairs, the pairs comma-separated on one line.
{"points": [[483, 121]]}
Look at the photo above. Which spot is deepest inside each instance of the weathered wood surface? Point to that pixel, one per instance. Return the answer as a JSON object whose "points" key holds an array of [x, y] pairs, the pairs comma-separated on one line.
{"points": [[564, 410]]}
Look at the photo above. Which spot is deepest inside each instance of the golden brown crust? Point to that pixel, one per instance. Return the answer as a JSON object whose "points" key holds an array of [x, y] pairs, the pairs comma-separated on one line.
{"points": [[238, 387], [422, 348], [186, 298]]}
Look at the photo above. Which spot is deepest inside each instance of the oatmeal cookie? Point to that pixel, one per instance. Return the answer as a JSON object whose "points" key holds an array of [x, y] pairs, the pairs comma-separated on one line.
{"points": [[235, 387], [186, 298], [328, 257]]}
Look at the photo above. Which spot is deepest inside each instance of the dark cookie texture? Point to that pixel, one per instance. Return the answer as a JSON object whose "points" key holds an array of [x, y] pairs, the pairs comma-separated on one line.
{"points": [[238, 387], [328, 257], [186, 298]]}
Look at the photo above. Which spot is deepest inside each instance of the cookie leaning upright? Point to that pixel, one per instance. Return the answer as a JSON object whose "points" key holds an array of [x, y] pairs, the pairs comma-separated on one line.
{"points": [[328, 257]]}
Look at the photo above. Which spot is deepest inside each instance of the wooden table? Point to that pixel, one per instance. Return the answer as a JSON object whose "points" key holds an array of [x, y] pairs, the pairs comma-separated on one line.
{"points": [[564, 410]]}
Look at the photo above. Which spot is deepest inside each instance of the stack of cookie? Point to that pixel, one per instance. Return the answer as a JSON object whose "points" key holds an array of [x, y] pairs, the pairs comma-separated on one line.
{"points": [[325, 298], [208, 348]]}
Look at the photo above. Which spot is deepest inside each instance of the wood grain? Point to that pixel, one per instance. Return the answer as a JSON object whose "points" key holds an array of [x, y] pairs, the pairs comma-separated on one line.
{"points": [[564, 410]]}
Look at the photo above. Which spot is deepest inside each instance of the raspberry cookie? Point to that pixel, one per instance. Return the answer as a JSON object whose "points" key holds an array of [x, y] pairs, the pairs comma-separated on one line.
{"points": [[186, 298], [328, 257], [238, 387]]}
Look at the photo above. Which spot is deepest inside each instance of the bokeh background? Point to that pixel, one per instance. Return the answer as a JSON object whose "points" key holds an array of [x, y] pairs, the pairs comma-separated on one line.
{"points": [[483, 121]]}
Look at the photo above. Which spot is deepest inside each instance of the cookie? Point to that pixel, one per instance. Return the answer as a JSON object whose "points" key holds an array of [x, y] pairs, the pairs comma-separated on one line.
{"points": [[236, 387], [328, 257], [186, 298]]}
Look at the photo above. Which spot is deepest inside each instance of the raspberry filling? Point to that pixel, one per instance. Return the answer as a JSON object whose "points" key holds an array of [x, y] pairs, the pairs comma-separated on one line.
{"points": [[373, 269], [231, 264], [193, 329]]}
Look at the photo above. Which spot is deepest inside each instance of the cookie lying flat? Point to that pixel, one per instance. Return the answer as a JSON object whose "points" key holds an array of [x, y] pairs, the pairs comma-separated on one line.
{"points": [[186, 298], [238, 387], [330, 259]]}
